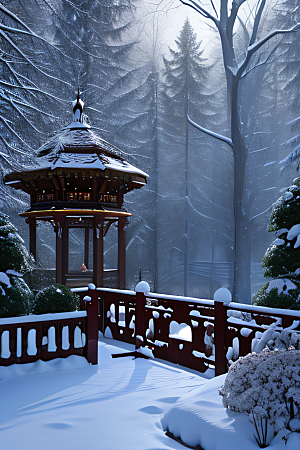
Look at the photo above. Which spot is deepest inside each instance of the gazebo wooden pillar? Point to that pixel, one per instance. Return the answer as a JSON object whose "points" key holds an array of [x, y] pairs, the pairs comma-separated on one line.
{"points": [[32, 236], [98, 252], [61, 230], [121, 253]]}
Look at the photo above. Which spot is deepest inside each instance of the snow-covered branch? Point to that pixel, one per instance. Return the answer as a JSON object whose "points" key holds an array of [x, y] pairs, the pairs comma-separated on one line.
{"points": [[197, 7], [257, 21], [22, 54], [262, 63], [13, 16], [254, 47], [211, 133]]}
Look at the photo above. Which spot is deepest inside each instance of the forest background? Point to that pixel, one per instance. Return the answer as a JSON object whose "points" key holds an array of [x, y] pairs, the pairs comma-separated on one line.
{"points": [[142, 66]]}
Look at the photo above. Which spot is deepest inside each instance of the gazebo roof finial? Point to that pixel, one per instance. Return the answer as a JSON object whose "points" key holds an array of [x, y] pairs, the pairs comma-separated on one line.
{"points": [[78, 108]]}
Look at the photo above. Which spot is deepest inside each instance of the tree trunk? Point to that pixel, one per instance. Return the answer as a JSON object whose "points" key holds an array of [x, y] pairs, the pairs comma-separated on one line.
{"points": [[242, 244]]}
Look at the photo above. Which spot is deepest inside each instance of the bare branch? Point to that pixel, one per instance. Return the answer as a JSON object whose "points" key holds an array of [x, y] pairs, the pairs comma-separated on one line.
{"points": [[265, 61], [210, 133], [7, 38], [10, 14], [6, 122], [214, 8], [253, 48], [32, 34], [32, 89], [234, 12], [257, 22], [192, 4]]}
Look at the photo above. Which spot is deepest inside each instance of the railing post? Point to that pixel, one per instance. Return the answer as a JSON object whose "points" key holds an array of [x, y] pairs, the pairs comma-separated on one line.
{"points": [[220, 338], [92, 326], [140, 329]]}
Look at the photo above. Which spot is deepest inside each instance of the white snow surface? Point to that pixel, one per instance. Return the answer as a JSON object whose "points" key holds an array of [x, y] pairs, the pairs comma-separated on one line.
{"points": [[199, 418], [5, 279], [122, 403], [14, 273], [282, 285], [69, 404], [294, 231], [279, 242]]}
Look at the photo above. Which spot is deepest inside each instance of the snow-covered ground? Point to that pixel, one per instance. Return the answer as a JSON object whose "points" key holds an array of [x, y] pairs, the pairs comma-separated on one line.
{"points": [[120, 404]]}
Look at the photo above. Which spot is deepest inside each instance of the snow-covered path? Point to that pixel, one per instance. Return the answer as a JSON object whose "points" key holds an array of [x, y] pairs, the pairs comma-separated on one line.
{"points": [[116, 405]]}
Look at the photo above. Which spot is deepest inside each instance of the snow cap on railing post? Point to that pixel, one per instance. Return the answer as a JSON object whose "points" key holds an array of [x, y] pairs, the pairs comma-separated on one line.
{"points": [[142, 286], [223, 295], [141, 289], [222, 298], [92, 324]]}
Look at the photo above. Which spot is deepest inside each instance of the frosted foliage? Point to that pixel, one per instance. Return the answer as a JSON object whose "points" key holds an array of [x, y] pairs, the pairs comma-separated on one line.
{"points": [[264, 382], [282, 285], [293, 232]]}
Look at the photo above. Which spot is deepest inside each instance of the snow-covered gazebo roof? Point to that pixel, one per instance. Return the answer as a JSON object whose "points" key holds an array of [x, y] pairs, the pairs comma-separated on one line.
{"points": [[77, 147]]}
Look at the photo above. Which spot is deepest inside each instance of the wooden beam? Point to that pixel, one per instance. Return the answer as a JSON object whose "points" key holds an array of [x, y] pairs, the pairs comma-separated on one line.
{"points": [[60, 266], [98, 252], [32, 237], [121, 253], [74, 212], [86, 246], [65, 262]]}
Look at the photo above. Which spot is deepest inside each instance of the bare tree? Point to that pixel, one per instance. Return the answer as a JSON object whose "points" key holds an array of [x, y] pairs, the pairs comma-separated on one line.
{"points": [[226, 16]]}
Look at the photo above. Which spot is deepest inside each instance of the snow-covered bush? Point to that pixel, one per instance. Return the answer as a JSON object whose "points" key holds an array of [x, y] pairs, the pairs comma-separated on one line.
{"points": [[264, 384], [55, 299], [282, 259], [15, 295], [272, 339], [13, 252], [279, 293]]}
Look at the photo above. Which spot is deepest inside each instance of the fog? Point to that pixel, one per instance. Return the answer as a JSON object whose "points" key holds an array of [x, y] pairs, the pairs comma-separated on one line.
{"points": [[142, 66]]}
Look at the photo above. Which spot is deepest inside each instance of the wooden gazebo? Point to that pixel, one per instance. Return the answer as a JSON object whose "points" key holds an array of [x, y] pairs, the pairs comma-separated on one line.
{"points": [[79, 182]]}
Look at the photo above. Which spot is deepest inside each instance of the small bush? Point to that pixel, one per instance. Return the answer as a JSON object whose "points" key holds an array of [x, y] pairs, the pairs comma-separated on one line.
{"points": [[15, 300], [54, 299], [272, 298]]}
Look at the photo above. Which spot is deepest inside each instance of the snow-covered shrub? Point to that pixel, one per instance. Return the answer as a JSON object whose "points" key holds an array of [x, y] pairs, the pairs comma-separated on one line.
{"points": [[13, 252], [282, 259], [15, 297], [264, 383], [279, 293], [55, 299]]}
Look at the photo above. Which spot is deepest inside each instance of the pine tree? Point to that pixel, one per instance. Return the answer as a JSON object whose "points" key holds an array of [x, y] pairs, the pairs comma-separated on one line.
{"points": [[15, 295], [28, 98], [91, 33], [137, 134], [181, 152], [282, 259], [291, 73]]}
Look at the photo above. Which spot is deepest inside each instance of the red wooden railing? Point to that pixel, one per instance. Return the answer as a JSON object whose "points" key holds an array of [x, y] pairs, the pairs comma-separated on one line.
{"points": [[50, 336], [148, 321], [153, 322]]}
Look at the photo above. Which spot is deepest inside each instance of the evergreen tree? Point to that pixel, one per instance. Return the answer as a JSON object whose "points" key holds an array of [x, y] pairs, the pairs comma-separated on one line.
{"points": [[282, 259], [92, 33], [28, 91], [15, 295], [183, 200], [137, 134], [291, 74]]}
